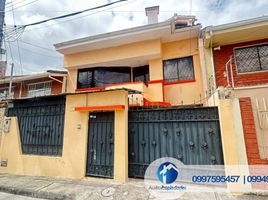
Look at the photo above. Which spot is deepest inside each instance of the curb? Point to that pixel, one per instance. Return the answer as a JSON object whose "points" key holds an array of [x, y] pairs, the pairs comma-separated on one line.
{"points": [[37, 194]]}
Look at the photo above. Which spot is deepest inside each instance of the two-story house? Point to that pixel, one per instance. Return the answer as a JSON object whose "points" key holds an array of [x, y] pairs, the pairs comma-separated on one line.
{"points": [[237, 60], [133, 96]]}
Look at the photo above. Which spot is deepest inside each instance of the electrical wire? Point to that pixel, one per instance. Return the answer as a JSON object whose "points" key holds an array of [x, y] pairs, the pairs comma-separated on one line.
{"points": [[12, 10], [34, 52], [14, 3], [37, 46], [77, 17], [75, 13]]}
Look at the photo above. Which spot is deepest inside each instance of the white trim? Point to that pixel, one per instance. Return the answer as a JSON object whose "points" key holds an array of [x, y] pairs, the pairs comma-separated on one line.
{"points": [[38, 82], [251, 87]]}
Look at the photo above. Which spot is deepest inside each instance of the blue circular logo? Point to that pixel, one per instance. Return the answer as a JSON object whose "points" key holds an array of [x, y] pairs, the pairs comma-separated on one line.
{"points": [[167, 173]]}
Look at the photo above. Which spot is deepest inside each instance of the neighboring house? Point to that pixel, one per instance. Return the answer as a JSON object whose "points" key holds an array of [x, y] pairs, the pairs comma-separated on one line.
{"points": [[42, 84], [240, 57]]}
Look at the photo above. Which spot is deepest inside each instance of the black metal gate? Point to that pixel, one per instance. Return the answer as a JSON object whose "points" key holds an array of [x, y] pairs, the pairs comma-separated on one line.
{"points": [[100, 157], [191, 135], [41, 124]]}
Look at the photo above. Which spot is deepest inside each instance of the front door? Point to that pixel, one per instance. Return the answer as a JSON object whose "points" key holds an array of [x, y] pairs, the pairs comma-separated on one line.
{"points": [[100, 157]]}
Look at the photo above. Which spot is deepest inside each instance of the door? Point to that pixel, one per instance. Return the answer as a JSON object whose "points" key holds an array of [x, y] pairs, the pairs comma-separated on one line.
{"points": [[100, 157], [191, 135]]}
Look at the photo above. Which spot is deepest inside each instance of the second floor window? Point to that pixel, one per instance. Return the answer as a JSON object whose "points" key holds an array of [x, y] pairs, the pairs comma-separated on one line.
{"points": [[141, 74], [179, 69], [102, 76], [39, 89], [252, 59]]}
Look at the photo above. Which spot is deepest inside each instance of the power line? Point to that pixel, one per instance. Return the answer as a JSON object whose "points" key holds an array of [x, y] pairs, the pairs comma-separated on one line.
{"points": [[21, 6], [8, 4], [73, 14], [76, 18], [44, 48], [34, 52]]}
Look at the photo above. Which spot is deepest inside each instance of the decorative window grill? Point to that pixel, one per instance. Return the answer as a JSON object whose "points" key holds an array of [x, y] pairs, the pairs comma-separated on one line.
{"points": [[252, 59], [179, 69]]}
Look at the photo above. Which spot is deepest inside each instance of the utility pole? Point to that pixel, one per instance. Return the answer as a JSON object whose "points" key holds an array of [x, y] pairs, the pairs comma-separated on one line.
{"points": [[3, 64], [2, 18], [10, 81]]}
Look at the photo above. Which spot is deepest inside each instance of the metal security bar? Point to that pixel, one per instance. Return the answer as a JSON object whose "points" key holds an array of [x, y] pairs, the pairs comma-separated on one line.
{"points": [[41, 123], [252, 58], [191, 135]]}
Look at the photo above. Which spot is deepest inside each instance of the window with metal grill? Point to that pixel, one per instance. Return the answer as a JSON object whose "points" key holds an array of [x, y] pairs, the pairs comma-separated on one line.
{"points": [[252, 59], [178, 69]]}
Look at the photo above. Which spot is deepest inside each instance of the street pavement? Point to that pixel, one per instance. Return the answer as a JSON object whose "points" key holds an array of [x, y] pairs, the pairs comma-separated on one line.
{"points": [[67, 189], [7, 196]]}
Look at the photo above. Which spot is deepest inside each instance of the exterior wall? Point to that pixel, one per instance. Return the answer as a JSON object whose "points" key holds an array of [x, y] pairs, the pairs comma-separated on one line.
{"points": [[250, 132], [21, 89], [157, 91], [222, 56], [150, 49], [232, 133], [252, 96], [72, 164]]}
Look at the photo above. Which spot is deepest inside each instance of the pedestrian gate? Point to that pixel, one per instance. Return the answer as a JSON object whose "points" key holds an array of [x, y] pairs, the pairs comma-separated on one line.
{"points": [[191, 135], [100, 157]]}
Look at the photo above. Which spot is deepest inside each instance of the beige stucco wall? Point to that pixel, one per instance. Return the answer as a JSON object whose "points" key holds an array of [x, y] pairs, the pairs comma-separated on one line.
{"points": [[150, 49], [189, 93], [72, 163], [260, 95], [233, 144]]}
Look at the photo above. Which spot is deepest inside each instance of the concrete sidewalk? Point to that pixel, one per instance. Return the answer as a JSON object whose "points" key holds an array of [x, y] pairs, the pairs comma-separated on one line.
{"points": [[59, 189]]}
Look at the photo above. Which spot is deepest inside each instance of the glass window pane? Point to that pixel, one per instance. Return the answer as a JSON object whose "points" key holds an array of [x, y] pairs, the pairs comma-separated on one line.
{"points": [[186, 70], [170, 71], [141, 74], [247, 59], [111, 75], [85, 79], [263, 52]]}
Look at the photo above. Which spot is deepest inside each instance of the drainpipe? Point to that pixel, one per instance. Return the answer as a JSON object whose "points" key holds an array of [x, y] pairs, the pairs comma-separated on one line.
{"points": [[10, 81], [63, 89]]}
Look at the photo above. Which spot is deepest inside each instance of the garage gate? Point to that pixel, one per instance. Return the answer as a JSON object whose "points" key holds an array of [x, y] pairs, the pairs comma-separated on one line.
{"points": [[191, 135]]}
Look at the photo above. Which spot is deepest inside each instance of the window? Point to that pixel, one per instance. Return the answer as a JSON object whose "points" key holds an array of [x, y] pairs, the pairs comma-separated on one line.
{"points": [[251, 59], [141, 74], [179, 69], [39, 89], [102, 76]]}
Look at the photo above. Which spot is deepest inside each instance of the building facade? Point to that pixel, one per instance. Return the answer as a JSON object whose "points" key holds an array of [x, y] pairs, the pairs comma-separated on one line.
{"points": [[240, 63], [133, 96], [26, 86]]}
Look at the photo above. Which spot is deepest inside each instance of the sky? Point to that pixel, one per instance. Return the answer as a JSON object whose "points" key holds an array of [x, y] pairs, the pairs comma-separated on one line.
{"points": [[33, 52]]}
